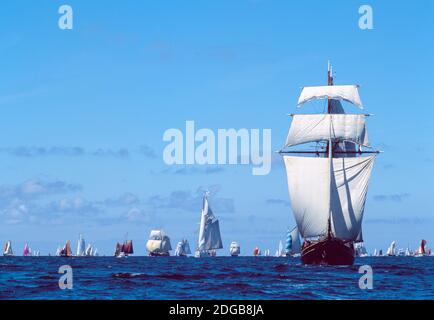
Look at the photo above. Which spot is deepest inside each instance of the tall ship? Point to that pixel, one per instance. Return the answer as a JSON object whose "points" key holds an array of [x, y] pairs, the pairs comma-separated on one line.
{"points": [[209, 232], [292, 243], [66, 250], [328, 175], [158, 244], [7, 250], [122, 249], [182, 248], [234, 249]]}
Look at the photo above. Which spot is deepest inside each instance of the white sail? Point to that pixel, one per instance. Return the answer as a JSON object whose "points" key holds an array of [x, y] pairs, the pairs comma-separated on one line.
{"points": [[280, 250], [295, 241], [308, 180], [88, 251], [81, 246], [391, 249], [349, 93], [316, 127], [8, 249], [209, 231]]}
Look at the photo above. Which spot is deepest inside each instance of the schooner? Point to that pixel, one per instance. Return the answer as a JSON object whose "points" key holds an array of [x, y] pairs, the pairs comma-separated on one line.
{"points": [[328, 185]]}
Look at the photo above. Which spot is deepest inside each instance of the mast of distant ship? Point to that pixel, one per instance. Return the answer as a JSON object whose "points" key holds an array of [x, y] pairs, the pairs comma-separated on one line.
{"points": [[329, 148]]}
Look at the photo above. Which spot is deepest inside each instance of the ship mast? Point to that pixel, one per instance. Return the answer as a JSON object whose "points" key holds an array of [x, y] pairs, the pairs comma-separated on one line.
{"points": [[330, 151]]}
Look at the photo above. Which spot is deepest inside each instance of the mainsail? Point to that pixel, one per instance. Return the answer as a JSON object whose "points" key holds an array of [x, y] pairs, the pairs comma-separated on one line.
{"points": [[26, 251], [81, 246], [8, 249], [308, 180], [209, 232]]}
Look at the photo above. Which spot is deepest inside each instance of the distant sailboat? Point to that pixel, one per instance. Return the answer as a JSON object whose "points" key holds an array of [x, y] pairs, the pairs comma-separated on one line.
{"points": [[209, 232], [66, 250], [89, 250], [293, 244], [391, 251], [182, 248], [328, 184], [420, 252], [7, 251], [158, 244], [123, 250], [234, 249], [256, 252], [266, 252], [27, 251], [360, 250], [81, 247], [280, 252]]}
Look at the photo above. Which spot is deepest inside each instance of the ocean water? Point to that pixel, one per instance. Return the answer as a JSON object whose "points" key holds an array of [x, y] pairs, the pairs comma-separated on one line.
{"points": [[213, 278]]}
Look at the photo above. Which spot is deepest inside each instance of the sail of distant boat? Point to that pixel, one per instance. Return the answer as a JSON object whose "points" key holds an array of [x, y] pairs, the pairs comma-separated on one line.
{"points": [[8, 249], [391, 251], [26, 251], [421, 249], [81, 247], [182, 248], [209, 232], [66, 250]]}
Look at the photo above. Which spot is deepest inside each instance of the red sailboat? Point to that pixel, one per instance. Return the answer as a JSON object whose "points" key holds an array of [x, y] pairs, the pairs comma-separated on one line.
{"points": [[328, 183]]}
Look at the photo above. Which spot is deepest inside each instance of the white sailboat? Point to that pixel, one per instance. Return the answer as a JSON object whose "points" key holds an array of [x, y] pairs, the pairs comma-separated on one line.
{"points": [[293, 244], [8, 249], [391, 251], [81, 247], [328, 182], [89, 250], [234, 249], [266, 252], [158, 243], [182, 248], [360, 250], [209, 232]]}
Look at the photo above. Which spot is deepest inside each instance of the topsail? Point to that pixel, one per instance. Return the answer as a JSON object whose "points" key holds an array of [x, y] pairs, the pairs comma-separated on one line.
{"points": [[349, 93]]}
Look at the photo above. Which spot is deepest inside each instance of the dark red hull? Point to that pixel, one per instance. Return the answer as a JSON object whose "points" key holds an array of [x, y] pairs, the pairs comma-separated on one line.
{"points": [[330, 251]]}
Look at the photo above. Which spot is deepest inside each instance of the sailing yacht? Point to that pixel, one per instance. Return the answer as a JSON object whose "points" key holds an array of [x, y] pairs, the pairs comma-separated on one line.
{"points": [[293, 244], [420, 252], [81, 247], [279, 251], [360, 250], [158, 244], [182, 248], [234, 249], [391, 251], [122, 249], [27, 251], [7, 251], [256, 252], [66, 250], [209, 232], [328, 184]]}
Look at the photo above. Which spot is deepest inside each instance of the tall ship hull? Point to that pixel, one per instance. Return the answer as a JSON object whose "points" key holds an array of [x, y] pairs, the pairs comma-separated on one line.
{"points": [[331, 251]]}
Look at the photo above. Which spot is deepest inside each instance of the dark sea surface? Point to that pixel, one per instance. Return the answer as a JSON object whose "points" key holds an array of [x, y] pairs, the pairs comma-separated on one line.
{"points": [[213, 278]]}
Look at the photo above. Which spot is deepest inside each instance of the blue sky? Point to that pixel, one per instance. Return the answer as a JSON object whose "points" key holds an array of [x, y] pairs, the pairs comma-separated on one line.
{"points": [[83, 113]]}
